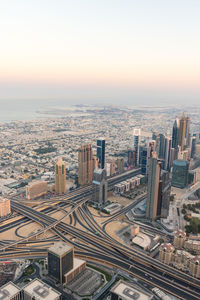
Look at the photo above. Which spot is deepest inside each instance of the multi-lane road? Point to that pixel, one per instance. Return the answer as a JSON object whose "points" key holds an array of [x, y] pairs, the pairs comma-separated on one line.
{"points": [[93, 242]]}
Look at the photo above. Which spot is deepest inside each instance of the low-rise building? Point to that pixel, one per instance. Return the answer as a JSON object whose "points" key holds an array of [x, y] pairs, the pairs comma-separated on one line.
{"points": [[192, 245], [9, 291], [36, 189], [142, 240], [127, 291], [79, 266], [38, 290]]}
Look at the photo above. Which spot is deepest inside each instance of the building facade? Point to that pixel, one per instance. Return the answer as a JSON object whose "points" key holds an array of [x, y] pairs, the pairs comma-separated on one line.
{"points": [[60, 177], [101, 148], [100, 186], [153, 187], [4, 207], [36, 189], [85, 165], [136, 144], [60, 260], [38, 290], [180, 173]]}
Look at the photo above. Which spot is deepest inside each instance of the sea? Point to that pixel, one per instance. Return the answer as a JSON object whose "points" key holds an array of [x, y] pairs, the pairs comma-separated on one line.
{"points": [[24, 110]]}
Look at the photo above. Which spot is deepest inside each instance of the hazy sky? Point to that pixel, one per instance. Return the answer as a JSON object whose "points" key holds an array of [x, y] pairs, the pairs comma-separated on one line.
{"points": [[109, 50]]}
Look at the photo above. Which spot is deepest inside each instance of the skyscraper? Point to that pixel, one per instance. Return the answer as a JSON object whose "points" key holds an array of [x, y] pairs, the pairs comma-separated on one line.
{"points": [[101, 143], [164, 194], [167, 153], [85, 165], [136, 143], [182, 132], [180, 173], [60, 260], [162, 146], [187, 132], [60, 176], [156, 137], [175, 133], [100, 185], [131, 158], [153, 187], [193, 146]]}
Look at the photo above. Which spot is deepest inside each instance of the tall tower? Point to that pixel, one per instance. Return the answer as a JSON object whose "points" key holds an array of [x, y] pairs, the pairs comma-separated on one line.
{"points": [[175, 133], [85, 165], [136, 143], [101, 144], [60, 260], [156, 137], [60, 176], [153, 187], [187, 132], [182, 132]]}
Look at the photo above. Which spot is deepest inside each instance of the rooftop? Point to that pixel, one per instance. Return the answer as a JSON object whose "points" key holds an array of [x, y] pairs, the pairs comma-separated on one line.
{"points": [[180, 162], [130, 292], [8, 290], [41, 291], [60, 248]]}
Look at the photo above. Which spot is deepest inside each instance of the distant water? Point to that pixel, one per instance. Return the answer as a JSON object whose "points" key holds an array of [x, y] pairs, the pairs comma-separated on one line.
{"points": [[19, 110]]}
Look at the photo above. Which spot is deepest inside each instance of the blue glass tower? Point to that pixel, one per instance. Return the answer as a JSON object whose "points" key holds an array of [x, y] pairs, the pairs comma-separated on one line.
{"points": [[101, 153]]}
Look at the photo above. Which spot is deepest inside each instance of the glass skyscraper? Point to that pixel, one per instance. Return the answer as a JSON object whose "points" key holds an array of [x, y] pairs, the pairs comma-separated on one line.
{"points": [[101, 144]]}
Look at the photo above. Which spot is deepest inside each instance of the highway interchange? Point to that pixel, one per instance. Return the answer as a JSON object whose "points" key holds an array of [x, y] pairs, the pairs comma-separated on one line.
{"points": [[91, 240]]}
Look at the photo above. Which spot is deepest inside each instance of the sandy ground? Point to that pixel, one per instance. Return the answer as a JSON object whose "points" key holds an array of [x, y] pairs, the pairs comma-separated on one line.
{"points": [[97, 217], [113, 227], [121, 200], [9, 235]]}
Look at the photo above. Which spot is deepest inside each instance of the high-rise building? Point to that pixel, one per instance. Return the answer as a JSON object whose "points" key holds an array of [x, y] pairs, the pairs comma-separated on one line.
{"points": [[167, 153], [101, 144], [194, 266], [156, 138], [100, 186], [179, 239], [60, 260], [4, 207], [120, 164], [193, 146], [60, 176], [182, 132], [187, 132], [144, 160], [85, 165], [180, 173], [166, 253], [162, 146], [136, 144], [110, 167], [153, 187], [175, 134], [131, 158], [164, 194], [172, 157]]}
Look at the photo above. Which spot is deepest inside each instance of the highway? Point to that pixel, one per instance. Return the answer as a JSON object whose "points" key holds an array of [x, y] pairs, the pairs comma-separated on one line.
{"points": [[103, 246], [92, 241]]}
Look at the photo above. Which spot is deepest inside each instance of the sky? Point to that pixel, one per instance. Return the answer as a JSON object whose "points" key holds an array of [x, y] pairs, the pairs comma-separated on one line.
{"points": [[116, 51]]}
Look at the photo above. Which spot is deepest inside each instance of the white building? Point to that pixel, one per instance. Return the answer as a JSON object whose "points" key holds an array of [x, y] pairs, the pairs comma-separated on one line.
{"points": [[10, 291], [39, 290]]}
